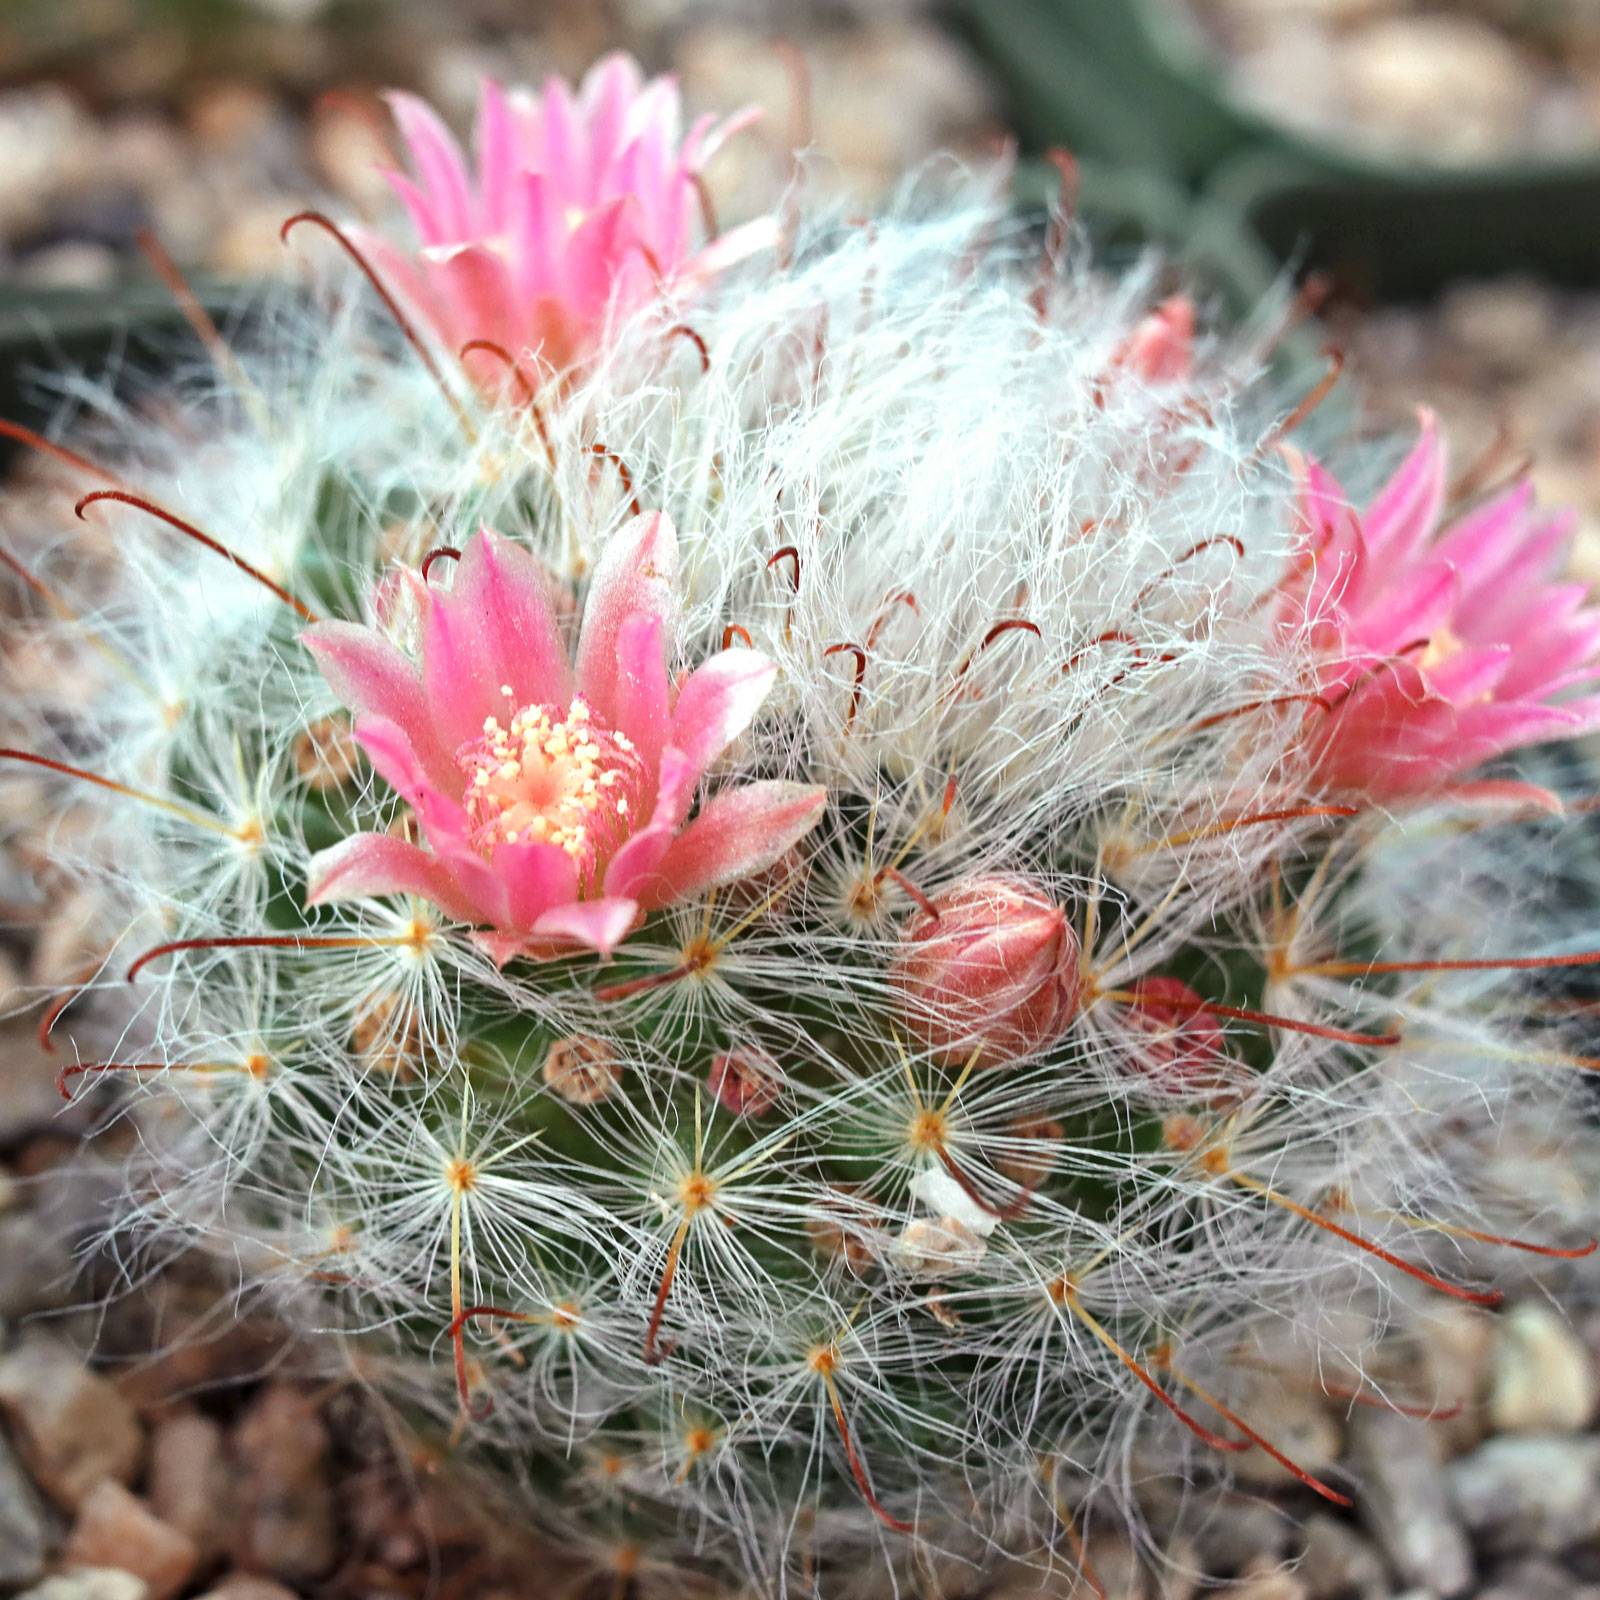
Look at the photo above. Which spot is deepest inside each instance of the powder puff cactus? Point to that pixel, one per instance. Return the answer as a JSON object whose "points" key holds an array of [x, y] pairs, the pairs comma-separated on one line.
{"points": [[962, 1067]]}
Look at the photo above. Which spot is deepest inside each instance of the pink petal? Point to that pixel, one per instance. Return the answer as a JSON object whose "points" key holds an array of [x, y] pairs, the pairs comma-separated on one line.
{"points": [[1503, 792], [637, 572], [596, 260], [473, 286], [401, 275], [496, 138], [1405, 514], [373, 679], [494, 629], [718, 702], [610, 87], [500, 947], [537, 233], [737, 244], [697, 151], [600, 924], [425, 216], [641, 687], [563, 145], [637, 859], [370, 864], [439, 164], [739, 832], [388, 747], [535, 877], [1412, 605]]}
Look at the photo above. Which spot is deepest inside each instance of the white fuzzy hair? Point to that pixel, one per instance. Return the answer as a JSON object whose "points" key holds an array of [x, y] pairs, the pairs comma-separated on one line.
{"points": [[888, 451]]}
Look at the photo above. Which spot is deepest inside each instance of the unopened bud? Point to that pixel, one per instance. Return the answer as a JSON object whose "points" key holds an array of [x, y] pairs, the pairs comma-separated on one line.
{"points": [[326, 754], [846, 1225], [1174, 1047], [997, 967], [1161, 347], [583, 1070], [746, 1080]]}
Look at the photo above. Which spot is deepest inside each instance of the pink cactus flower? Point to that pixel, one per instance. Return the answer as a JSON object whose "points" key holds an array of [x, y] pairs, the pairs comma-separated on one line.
{"points": [[991, 963], [1440, 647], [555, 796], [582, 207]]}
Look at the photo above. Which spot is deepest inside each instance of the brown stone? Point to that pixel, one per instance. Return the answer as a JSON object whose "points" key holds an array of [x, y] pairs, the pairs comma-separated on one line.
{"points": [[190, 1480], [71, 1425], [247, 1586], [117, 1529], [280, 1450]]}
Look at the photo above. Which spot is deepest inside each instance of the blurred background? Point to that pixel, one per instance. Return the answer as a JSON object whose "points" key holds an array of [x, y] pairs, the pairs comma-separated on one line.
{"points": [[1434, 163]]}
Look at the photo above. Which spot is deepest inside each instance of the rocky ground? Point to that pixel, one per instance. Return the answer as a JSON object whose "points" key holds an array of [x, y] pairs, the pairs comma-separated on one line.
{"points": [[220, 1465], [1446, 81]]}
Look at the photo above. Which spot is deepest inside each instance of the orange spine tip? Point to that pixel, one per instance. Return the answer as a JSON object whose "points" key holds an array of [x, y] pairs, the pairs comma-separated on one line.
{"points": [[1235, 543], [1316, 1030], [56, 452], [1319, 392], [654, 1354], [655, 980], [1007, 1213], [1265, 1444], [861, 672], [500, 353], [1196, 1427], [1477, 1297]]}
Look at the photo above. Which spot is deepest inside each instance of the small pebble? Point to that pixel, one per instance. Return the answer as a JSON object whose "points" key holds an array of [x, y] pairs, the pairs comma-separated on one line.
{"points": [[24, 1538], [280, 1450], [1268, 1583], [115, 1526], [1544, 1378], [1403, 1501], [189, 1480], [246, 1586], [1338, 1564], [36, 1269], [73, 1427], [1535, 1578], [90, 1583], [1229, 1533], [1299, 1426], [1530, 1492]]}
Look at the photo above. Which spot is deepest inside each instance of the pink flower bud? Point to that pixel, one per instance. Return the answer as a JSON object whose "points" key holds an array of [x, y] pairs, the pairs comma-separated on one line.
{"points": [[1175, 1048], [746, 1080], [998, 966]]}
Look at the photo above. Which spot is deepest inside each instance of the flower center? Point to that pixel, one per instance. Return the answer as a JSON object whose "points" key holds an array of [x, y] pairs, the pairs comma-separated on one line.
{"points": [[549, 778]]}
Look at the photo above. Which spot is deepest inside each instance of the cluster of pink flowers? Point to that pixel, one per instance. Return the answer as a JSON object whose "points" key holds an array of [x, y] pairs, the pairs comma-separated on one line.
{"points": [[583, 208], [555, 798]]}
